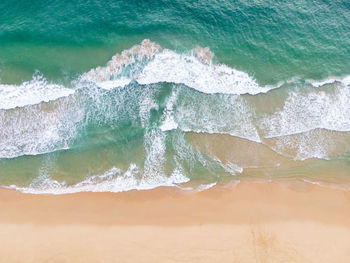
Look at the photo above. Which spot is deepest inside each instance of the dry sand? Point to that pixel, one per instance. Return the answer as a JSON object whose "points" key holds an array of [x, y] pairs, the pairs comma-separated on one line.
{"points": [[252, 222]]}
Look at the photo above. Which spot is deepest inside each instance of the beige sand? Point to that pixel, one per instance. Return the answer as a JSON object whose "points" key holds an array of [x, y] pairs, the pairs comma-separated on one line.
{"points": [[253, 222]]}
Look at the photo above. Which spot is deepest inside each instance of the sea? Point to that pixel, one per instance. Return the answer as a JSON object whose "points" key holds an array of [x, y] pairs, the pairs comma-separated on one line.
{"points": [[111, 96]]}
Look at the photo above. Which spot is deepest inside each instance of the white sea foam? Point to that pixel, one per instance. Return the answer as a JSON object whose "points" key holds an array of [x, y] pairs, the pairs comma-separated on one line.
{"points": [[213, 114], [154, 144], [39, 128], [204, 187], [168, 120], [345, 81], [111, 84], [32, 92], [114, 67], [169, 124], [150, 64], [147, 63], [28, 126], [146, 104], [232, 168], [307, 111], [318, 143], [113, 180], [169, 66]]}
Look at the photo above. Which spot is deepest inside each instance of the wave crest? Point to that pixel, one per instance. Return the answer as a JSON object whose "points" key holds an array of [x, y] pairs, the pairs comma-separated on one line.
{"points": [[148, 63]]}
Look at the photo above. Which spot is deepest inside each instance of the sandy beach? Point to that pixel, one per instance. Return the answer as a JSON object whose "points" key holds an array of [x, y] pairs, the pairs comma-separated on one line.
{"points": [[251, 222]]}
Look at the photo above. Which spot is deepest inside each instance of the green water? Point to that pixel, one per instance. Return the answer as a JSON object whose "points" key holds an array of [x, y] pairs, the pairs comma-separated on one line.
{"points": [[271, 40], [64, 128]]}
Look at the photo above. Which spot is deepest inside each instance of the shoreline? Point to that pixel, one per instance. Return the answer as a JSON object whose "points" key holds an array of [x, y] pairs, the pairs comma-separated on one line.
{"points": [[252, 222]]}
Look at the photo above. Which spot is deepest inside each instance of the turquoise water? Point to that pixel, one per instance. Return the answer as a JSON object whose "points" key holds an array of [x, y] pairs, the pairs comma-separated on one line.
{"points": [[270, 40], [201, 92]]}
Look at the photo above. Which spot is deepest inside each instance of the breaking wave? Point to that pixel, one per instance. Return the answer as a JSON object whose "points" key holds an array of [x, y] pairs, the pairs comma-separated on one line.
{"points": [[156, 94]]}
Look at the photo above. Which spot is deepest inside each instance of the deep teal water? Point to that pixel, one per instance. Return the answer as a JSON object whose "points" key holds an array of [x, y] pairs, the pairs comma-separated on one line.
{"points": [[271, 40]]}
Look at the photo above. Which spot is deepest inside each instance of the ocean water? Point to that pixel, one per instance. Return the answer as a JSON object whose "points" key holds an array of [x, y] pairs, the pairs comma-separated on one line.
{"points": [[120, 95]]}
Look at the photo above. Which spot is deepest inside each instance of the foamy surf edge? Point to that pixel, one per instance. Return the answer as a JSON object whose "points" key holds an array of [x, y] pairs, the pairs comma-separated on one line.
{"points": [[113, 180], [148, 63], [31, 92], [345, 81], [299, 119]]}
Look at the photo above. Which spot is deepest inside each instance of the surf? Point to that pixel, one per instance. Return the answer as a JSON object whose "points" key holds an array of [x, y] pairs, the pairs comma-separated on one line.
{"points": [[142, 105]]}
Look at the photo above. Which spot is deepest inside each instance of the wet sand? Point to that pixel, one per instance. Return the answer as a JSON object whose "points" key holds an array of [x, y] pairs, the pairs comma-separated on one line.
{"points": [[252, 222]]}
